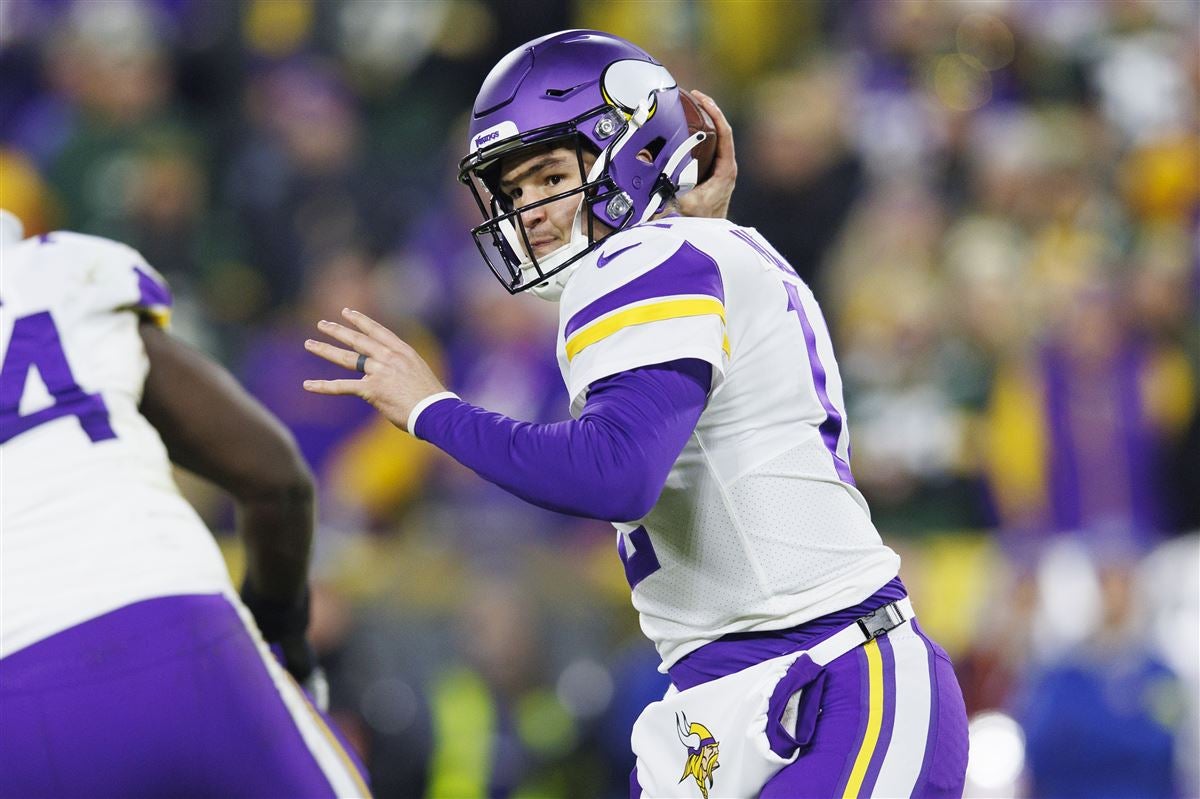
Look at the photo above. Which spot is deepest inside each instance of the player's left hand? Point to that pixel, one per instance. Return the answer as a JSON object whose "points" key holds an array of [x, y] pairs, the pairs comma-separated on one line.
{"points": [[395, 377], [711, 197]]}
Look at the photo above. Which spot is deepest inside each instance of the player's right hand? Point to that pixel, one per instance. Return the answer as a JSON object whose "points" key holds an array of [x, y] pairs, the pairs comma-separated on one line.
{"points": [[395, 377], [711, 198]]}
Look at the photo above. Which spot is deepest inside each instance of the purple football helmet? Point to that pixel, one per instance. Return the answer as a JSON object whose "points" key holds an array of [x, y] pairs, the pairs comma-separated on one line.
{"points": [[590, 91]]}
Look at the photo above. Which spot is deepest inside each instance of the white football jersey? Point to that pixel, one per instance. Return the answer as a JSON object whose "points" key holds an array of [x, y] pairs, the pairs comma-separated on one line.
{"points": [[760, 526], [90, 517]]}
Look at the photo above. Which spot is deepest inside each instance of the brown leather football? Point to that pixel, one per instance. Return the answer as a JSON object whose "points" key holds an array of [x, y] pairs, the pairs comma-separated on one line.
{"points": [[698, 119]]}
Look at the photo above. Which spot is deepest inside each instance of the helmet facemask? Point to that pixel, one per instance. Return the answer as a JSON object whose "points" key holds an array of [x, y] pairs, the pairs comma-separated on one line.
{"points": [[503, 239], [579, 89]]}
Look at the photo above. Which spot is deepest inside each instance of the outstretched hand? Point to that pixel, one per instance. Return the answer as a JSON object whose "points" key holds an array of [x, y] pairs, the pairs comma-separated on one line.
{"points": [[711, 197], [395, 378]]}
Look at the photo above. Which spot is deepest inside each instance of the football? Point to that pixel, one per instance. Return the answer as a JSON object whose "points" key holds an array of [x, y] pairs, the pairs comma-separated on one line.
{"points": [[698, 119]]}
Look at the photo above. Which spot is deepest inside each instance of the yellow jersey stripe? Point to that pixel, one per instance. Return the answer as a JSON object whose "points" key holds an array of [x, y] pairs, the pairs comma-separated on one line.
{"points": [[640, 315], [874, 720]]}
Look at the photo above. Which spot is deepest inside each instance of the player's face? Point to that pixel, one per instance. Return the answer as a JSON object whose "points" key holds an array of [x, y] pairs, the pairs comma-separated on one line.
{"points": [[525, 179]]}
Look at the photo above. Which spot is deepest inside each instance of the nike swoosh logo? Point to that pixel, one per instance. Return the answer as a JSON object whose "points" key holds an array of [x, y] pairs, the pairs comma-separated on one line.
{"points": [[603, 260]]}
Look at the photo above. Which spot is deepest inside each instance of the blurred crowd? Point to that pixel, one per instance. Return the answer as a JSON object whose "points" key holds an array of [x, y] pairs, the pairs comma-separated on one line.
{"points": [[997, 203]]}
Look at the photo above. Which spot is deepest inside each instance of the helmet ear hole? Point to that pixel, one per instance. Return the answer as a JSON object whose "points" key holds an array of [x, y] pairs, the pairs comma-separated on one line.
{"points": [[654, 148]]}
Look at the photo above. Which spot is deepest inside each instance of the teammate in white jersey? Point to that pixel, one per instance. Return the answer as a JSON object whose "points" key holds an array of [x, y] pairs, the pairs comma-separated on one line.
{"points": [[128, 664], [708, 425]]}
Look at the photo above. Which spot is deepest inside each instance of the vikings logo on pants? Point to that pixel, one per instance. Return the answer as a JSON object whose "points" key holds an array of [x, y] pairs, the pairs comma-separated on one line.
{"points": [[703, 751]]}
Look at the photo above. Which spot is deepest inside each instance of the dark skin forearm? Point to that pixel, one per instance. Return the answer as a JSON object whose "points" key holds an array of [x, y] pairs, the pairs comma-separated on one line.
{"points": [[211, 426]]}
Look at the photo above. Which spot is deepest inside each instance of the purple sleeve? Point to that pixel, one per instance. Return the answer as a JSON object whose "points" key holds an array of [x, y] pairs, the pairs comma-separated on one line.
{"points": [[611, 463]]}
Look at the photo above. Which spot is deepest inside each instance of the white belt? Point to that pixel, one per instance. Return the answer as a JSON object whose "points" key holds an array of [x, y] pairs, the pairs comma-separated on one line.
{"points": [[869, 627]]}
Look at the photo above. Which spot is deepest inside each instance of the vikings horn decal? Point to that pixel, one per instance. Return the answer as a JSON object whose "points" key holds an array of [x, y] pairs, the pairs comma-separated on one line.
{"points": [[626, 84], [703, 751]]}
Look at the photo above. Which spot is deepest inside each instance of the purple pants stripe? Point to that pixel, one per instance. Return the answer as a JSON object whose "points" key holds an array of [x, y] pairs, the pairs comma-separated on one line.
{"points": [[166, 697], [877, 734], [889, 715]]}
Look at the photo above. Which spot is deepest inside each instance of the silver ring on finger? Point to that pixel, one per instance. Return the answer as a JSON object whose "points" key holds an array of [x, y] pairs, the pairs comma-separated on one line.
{"points": [[361, 366]]}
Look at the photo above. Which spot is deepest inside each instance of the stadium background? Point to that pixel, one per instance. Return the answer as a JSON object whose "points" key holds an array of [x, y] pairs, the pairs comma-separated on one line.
{"points": [[996, 203]]}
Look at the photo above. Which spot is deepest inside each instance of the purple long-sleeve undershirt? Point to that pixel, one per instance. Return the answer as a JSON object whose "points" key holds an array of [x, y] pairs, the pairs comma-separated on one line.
{"points": [[611, 463]]}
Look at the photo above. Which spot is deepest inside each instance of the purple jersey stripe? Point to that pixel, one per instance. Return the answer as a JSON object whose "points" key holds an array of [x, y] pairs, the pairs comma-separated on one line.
{"points": [[153, 293], [889, 715], [831, 428], [686, 271]]}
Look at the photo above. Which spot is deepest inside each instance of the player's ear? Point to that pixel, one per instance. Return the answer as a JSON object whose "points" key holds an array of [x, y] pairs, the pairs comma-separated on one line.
{"points": [[645, 157]]}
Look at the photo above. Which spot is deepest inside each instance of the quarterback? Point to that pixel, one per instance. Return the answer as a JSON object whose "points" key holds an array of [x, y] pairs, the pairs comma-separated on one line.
{"points": [[707, 425], [128, 664]]}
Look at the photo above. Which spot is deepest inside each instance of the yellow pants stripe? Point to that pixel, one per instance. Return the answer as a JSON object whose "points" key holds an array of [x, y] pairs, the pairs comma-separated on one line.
{"points": [[874, 720]]}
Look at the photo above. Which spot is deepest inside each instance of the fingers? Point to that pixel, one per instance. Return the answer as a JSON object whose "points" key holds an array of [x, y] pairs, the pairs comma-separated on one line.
{"points": [[335, 355], [359, 342], [726, 158], [375, 330], [334, 386]]}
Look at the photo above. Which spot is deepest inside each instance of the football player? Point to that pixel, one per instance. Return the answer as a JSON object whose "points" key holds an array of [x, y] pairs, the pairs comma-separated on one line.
{"points": [[708, 426], [128, 664]]}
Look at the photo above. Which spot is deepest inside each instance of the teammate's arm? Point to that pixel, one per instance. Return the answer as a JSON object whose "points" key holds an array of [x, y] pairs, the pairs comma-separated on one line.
{"points": [[213, 427]]}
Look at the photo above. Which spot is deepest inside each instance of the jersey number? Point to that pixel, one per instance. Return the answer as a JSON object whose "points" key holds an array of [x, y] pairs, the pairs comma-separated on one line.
{"points": [[637, 556], [831, 428], [35, 344]]}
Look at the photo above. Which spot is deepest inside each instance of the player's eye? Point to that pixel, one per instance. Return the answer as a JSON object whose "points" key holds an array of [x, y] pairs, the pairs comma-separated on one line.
{"points": [[554, 180]]}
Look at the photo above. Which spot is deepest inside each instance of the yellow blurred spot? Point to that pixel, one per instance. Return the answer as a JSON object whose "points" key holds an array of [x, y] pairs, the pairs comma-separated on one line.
{"points": [[961, 83], [277, 27], [1169, 388], [379, 469], [1162, 180], [25, 193], [1015, 448], [951, 582], [544, 723]]}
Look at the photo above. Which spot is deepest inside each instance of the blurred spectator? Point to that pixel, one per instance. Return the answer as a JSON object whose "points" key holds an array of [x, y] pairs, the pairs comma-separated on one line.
{"points": [[367, 471], [298, 186], [1079, 433], [800, 177], [1102, 718], [499, 728]]}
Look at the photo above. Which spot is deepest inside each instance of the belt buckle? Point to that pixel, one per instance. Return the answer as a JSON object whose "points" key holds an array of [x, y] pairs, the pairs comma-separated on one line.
{"points": [[880, 621]]}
